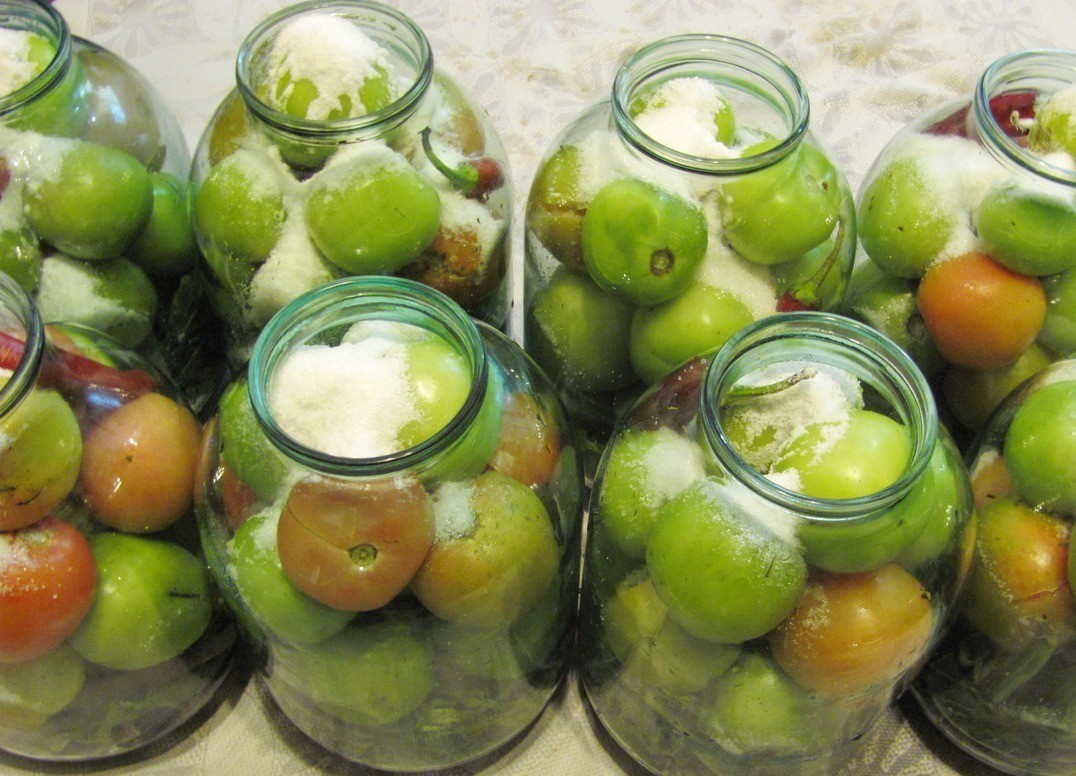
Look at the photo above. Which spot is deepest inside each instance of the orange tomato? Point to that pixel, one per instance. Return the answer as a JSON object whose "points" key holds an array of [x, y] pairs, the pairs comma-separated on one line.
{"points": [[851, 632], [980, 314], [990, 480], [139, 464], [530, 442]]}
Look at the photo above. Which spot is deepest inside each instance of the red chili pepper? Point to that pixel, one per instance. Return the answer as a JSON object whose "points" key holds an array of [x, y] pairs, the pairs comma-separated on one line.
{"points": [[5, 175], [474, 177], [69, 371], [1002, 107], [790, 304]]}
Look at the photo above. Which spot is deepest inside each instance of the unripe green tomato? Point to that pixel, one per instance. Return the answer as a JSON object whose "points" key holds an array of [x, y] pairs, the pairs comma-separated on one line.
{"points": [[1040, 448], [372, 215], [1028, 232], [153, 601], [641, 243], [697, 321], [94, 205], [239, 207], [972, 395], [1059, 329], [1054, 128], [32, 691], [166, 245], [20, 258], [903, 223], [581, 334], [781, 212], [244, 446]]}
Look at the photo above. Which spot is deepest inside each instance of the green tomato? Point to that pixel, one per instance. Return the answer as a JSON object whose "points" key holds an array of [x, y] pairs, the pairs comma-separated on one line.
{"points": [[946, 514], [723, 575], [472, 452], [166, 246], [1040, 448], [972, 395], [372, 216], [581, 334], [1059, 329], [811, 281], [239, 207], [756, 708], [841, 460], [1054, 128], [903, 223], [653, 648], [20, 258], [440, 380], [779, 213], [113, 296], [373, 673], [889, 304], [153, 601], [277, 606], [555, 208], [1028, 232], [32, 691], [642, 243], [642, 470], [697, 321], [94, 205], [244, 446], [295, 97]]}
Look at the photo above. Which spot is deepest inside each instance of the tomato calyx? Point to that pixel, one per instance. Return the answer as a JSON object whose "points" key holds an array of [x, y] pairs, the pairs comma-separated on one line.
{"points": [[70, 373], [1010, 111], [474, 177]]}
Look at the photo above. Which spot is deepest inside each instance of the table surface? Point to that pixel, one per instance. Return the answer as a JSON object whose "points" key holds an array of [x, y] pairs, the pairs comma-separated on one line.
{"points": [[534, 65]]}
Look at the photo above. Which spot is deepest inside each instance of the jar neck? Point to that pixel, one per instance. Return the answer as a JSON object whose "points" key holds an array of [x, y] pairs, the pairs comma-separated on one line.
{"points": [[837, 342], [746, 74], [20, 321], [43, 20], [394, 32], [1037, 73], [323, 317]]}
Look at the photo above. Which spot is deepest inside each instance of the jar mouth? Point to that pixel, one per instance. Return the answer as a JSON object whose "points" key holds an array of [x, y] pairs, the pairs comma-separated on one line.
{"points": [[838, 342], [734, 64], [1039, 71], [17, 315], [46, 21], [337, 306], [388, 28]]}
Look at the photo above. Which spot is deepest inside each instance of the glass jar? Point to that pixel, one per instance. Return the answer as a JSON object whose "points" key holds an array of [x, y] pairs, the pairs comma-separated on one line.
{"points": [[93, 172], [969, 218], [344, 152], [392, 505], [777, 538], [111, 632], [1003, 683], [691, 203]]}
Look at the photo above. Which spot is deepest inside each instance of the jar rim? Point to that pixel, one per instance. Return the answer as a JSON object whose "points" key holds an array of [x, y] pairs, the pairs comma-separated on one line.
{"points": [[998, 78], [862, 344], [46, 18], [397, 24], [410, 302], [790, 95], [24, 376]]}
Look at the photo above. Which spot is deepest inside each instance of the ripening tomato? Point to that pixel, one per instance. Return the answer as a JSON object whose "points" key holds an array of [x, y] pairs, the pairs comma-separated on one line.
{"points": [[47, 582], [530, 441], [354, 545], [990, 480], [980, 314], [850, 632], [139, 462]]}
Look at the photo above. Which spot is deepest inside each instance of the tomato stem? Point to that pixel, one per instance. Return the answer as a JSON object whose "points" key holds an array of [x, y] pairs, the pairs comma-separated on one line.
{"points": [[474, 177], [740, 392], [809, 292]]}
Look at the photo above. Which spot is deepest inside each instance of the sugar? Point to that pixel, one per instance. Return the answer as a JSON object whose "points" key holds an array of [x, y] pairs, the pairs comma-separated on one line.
{"points": [[349, 400], [16, 67], [294, 266], [669, 465], [453, 511], [680, 115]]}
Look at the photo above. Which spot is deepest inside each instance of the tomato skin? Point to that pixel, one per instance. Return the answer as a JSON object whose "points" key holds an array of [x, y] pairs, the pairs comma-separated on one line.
{"points": [[354, 545], [530, 441], [47, 583], [850, 632], [980, 314]]}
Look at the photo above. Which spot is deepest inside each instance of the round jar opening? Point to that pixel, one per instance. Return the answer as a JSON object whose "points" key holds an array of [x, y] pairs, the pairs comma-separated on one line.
{"points": [[367, 412], [767, 99], [22, 343], [46, 23], [776, 354], [306, 70], [1010, 88]]}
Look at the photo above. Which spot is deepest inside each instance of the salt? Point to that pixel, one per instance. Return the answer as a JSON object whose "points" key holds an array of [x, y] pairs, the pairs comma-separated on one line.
{"points": [[680, 115], [453, 511], [16, 67]]}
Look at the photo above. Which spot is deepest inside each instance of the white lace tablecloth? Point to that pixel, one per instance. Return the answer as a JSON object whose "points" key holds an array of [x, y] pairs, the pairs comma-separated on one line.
{"points": [[535, 65]]}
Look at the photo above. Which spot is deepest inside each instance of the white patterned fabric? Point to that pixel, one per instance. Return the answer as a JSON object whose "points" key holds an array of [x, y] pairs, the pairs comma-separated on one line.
{"points": [[534, 65]]}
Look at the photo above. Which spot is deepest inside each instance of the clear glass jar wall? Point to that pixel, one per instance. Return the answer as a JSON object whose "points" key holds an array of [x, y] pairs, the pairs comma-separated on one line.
{"points": [[391, 504], [343, 151], [661, 221], [777, 538], [968, 217], [111, 631]]}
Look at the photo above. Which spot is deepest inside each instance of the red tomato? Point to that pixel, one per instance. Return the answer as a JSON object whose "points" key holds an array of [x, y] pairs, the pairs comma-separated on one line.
{"points": [[530, 442], [980, 314], [354, 545], [47, 582]]}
